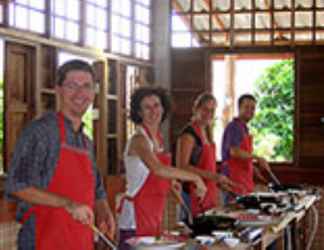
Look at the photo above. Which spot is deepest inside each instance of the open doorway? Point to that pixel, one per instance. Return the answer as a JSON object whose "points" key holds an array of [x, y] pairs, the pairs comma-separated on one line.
{"points": [[270, 78]]}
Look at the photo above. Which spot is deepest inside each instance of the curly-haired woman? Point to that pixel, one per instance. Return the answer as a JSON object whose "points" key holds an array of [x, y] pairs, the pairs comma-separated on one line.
{"points": [[148, 170]]}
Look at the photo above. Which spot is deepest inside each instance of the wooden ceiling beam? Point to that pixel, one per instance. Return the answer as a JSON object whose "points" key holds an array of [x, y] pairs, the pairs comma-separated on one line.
{"points": [[216, 20], [178, 7], [275, 23]]}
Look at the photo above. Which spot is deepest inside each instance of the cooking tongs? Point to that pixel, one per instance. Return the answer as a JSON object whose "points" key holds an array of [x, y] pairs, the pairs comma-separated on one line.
{"points": [[182, 203], [274, 177], [103, 237]]}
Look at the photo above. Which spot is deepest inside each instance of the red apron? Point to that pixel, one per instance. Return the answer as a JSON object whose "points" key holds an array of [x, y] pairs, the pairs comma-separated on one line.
{"points": [[73, 178], [150, 201], [206, 162], [241, 171]]}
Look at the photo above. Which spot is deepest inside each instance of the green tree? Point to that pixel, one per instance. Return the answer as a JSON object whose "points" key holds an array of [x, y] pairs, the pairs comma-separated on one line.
{"points": [[273, 123], [88, 122]]}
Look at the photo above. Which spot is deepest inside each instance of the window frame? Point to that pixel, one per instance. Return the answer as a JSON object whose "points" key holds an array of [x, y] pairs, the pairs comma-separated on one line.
{"points": [[7, 18], [82, 25]]}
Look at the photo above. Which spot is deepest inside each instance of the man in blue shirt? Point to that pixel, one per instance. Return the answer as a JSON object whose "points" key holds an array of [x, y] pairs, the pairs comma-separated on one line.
{"points": [[53, 176]]}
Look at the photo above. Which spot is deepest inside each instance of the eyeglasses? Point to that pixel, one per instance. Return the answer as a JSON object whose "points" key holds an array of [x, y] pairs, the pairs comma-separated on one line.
{"points": [[74, 87]]}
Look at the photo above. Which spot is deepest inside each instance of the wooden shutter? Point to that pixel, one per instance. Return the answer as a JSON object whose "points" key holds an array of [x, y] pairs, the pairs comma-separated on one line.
{"points": [[19, 92], [189, 78], [310, 106]]}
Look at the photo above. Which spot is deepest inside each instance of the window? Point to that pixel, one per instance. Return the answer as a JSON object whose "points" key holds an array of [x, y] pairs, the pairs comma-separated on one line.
{"points": [[270, 78], [28, 15], [118, 26], [97, 23], [121, 26], [131, 28], [1, 13], [142, 30], [66, 20]]}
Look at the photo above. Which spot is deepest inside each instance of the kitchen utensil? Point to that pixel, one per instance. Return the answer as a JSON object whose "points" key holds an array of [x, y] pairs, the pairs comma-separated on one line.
{"points": [[274, 177], [103, 237]]}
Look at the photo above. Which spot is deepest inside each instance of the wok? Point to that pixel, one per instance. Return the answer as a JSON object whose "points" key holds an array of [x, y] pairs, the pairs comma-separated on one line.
{"points": [[205, 224]]}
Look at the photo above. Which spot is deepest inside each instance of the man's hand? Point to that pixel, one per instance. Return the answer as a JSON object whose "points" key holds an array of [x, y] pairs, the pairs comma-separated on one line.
{"points": [[225, 183], [263, 163], [176, 186], [260, 176], [104, 218], [201, 188], [80, 212]]}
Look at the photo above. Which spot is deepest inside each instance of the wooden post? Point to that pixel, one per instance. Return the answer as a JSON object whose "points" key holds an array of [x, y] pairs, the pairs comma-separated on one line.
{"points": [[229, 88]]}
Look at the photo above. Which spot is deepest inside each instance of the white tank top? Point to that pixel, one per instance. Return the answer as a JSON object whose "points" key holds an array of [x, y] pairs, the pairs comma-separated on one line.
{"points": [[136, 175]]}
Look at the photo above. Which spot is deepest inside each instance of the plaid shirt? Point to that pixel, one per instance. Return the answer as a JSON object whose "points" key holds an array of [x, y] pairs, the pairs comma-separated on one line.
{"points": [[34, 162]]}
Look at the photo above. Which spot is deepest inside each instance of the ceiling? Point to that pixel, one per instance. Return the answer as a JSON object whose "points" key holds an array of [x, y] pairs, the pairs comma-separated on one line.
{"points": [[234, 22]]}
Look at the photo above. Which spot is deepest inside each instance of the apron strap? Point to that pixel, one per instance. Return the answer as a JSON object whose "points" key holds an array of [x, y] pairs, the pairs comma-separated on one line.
{"points": [[61, 125], [242, 127], [159, 135], [60, 117], [122, 202], [198, 132]]}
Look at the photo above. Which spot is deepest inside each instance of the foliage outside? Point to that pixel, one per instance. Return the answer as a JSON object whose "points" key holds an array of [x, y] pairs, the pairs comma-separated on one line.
{"points": [[88, 123], [272, 125]]}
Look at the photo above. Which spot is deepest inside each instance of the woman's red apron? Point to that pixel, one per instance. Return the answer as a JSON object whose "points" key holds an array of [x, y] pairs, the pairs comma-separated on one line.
{"points": [[73, 178], [206, 162], [150, 201], [241, 171]]}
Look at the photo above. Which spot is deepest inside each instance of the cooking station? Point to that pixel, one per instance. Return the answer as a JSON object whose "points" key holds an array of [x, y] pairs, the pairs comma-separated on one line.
{"points": [[256, 236], [254, 221]]}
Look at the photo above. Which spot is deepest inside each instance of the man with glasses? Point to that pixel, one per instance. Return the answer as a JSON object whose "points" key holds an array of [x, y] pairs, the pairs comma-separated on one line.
{"points": [[53, 175]]}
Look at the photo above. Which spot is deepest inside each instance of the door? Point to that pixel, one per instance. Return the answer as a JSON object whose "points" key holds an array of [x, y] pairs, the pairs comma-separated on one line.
{"points": [[189, 79], [19, 88]]}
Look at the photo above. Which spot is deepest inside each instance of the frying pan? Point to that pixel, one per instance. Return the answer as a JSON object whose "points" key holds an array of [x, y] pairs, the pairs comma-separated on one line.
{"points": [[204, 224]]}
